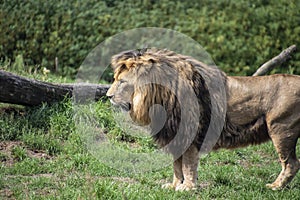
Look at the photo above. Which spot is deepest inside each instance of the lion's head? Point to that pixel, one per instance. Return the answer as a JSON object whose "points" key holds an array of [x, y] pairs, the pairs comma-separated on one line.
{"points": [[148, 77]]}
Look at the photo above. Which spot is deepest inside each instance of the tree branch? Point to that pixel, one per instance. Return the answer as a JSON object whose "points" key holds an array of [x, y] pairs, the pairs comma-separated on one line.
{"points": [[271, 64]]}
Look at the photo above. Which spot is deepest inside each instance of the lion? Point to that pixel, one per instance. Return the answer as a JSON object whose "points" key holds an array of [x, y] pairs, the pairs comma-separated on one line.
{"points": [[258, 109]]}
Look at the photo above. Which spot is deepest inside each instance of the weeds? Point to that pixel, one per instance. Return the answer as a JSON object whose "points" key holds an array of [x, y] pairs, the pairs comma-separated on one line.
{"points": [[19, 153]]}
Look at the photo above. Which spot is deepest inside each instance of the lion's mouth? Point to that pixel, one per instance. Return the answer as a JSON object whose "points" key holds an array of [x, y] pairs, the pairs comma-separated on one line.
{"points": [[125, 106]]}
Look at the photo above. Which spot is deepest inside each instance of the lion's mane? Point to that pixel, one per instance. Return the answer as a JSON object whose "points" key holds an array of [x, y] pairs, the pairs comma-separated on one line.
{"points": [[157, 65]]}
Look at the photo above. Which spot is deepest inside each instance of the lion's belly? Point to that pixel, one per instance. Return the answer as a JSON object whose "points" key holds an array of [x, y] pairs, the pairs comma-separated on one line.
{"points": [[244, 113], [241, 120]]}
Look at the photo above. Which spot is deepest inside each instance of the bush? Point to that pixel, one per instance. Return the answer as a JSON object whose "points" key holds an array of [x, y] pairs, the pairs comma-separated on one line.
{"points": [[240, 35]]}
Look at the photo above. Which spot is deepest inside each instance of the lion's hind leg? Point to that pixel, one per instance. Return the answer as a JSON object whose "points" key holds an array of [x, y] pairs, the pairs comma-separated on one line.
{"points": [[286, 149]]}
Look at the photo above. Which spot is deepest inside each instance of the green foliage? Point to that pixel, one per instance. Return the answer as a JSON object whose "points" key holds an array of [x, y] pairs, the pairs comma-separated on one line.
{"points": [[40, 128], [3, 157], [19, 153], [240, 35], [9, 132], [41, 141]]}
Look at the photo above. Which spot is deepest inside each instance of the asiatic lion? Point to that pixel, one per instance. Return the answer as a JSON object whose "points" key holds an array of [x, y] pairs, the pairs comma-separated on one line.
{"points": [[259, 109]]}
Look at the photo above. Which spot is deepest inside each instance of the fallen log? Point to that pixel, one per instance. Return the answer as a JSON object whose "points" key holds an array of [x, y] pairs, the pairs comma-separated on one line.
{"points": [[28, 92]]}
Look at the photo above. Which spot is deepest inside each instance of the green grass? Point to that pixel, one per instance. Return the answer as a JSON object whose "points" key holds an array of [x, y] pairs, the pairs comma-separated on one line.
{"points": [[44, 155]]}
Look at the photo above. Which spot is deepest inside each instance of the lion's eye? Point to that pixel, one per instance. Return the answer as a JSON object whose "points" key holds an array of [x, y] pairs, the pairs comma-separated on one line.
{"points": [[122, 81]]}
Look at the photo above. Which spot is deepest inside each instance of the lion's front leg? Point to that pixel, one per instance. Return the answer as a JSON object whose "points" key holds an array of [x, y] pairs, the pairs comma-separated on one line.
{"points": [[190, 160], [178, 175]]}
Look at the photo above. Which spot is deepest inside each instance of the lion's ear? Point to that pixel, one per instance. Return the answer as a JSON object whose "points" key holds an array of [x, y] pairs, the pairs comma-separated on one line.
{"points": [[118, 70], [125, 66], [151, 60]]}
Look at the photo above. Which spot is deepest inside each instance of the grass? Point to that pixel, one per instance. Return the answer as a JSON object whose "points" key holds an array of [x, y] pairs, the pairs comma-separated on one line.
{"points": [[46, 153]]}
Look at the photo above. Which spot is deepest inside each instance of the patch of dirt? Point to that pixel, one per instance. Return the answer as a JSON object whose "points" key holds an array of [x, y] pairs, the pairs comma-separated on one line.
{"points": [[6, 148], [6, 193]]}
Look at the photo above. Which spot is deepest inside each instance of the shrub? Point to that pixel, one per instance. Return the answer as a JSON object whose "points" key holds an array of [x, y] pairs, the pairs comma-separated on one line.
{"points": [[240, 35]]}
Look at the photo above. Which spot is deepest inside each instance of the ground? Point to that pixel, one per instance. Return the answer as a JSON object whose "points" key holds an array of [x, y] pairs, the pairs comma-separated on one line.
{"points": [[43, 157]]}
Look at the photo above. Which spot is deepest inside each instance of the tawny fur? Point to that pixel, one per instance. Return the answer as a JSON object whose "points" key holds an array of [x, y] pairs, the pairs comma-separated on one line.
{"points": [[258, 108]]}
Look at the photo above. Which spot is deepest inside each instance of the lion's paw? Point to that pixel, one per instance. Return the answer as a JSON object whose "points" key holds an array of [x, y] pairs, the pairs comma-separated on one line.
{"points": [[273, 186], [185, 187]]}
